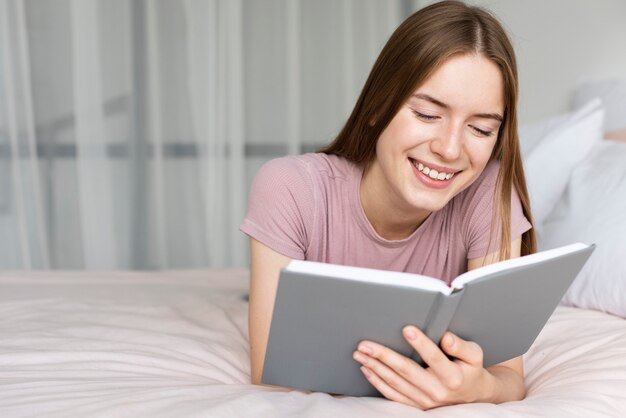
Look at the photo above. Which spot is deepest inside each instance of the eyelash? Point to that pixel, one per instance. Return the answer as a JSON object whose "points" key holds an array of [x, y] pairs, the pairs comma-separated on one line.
{"points": [[481, 132], [430, 118], [425, 117]]}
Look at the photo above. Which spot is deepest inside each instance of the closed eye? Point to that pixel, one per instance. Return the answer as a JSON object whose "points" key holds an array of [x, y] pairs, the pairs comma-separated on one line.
{"points": [[481, 132], [424, 116]]}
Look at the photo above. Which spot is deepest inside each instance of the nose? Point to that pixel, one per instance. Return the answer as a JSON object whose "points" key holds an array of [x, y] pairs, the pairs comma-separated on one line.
{"points": [[448, 143]]}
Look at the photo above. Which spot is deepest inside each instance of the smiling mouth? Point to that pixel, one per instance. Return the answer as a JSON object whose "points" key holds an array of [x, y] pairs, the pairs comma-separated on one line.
{"points": [[431, 172]]}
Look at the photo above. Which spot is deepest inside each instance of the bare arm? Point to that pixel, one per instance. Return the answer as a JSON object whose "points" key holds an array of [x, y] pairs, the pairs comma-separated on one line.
{"points": [[265, 267]]}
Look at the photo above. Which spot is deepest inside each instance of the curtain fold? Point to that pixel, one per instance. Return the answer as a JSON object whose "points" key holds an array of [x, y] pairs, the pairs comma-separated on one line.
{"points": [[215, 87], [155, 117], [130, 130], [94, 169], [22, 221]]}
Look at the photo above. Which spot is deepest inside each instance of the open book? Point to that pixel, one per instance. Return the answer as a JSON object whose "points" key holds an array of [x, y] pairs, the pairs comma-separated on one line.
{"points": [[322, 311]]}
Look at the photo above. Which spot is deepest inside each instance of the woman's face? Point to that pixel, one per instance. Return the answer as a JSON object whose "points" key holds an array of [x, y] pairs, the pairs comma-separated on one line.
{"points": [[441, 139]]}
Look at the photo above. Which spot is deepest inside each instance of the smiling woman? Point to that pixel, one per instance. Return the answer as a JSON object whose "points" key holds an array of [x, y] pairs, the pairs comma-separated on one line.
{"points": [[424, 177]]}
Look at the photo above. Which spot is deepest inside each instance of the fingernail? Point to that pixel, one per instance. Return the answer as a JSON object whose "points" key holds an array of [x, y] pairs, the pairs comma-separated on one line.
{"points": [[365, 349], [366, 372], [410, 333], [360, 358], [450, 340]]}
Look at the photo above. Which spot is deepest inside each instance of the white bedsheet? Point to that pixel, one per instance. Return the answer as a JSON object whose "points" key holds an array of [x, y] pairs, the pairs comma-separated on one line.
{"points": [[175, 344]]}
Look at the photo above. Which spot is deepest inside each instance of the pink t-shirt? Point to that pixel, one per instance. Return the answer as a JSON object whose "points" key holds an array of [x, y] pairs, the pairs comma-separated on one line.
{"points": [[307, 207]]}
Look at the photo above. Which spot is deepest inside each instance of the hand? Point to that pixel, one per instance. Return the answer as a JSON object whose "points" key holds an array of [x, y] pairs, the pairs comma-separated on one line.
{"points": [[444, 382]]}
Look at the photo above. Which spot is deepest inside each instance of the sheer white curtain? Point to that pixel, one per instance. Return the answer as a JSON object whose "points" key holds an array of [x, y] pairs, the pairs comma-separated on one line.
{"points": [[22, 224], [130, 129]]}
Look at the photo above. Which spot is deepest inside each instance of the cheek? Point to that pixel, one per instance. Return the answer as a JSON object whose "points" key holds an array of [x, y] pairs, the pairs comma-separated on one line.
{"points": [[404, 131], [479, 153], [389, 145]]}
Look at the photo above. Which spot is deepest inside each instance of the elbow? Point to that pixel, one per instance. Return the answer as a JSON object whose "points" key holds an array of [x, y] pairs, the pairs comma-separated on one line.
{"points": [[255, 372], [255, 380], [522, 391]]}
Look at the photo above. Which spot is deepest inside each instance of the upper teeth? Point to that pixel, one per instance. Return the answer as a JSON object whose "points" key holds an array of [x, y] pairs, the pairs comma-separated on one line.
{"points": [[433, 174]]}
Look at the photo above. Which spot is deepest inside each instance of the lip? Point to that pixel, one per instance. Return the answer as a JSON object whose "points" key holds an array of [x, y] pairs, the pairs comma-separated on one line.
{"points": [[429, 182], [439, 168]]}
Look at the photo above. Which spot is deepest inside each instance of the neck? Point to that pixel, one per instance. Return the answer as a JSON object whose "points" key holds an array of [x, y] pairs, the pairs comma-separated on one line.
{"points": [[390, 217]]}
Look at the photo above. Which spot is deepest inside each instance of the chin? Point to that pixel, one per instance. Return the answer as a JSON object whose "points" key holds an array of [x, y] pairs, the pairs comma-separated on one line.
{"points": [[435, 208], [430, 206], [435, 199]]}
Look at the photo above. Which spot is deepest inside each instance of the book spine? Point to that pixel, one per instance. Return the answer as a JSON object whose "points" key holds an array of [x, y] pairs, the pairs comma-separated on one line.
{"points": [[440, 318]]}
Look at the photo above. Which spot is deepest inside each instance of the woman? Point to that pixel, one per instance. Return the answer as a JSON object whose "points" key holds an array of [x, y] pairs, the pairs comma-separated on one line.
{"points": [[425, 177]]}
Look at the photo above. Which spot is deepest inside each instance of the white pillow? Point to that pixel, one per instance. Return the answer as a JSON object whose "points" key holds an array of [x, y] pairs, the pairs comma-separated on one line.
{"points": [[531, 134], [613, 96], [550, 162], [593, 210]]}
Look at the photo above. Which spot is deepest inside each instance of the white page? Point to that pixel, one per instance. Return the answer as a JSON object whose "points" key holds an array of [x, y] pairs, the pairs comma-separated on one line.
{"points": [[366, 275], [464, 278]]}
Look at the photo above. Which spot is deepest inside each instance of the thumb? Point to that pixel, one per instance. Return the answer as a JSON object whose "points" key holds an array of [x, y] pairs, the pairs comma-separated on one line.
{"points": [[467, 351]]}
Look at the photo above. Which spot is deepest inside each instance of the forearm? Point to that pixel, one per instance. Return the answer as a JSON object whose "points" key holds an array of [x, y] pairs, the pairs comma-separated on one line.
{"points": [[258, 342], [265, 268], [505, 385]]}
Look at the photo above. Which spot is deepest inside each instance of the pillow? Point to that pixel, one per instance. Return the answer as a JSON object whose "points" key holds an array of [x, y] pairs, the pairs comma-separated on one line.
{"points": [[613, 96], [531, 134], [553, 157], [593, 210]]}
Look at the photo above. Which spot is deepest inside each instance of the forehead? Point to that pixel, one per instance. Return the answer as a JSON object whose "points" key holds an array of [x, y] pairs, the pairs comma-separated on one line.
{"points": [[468, 82]]}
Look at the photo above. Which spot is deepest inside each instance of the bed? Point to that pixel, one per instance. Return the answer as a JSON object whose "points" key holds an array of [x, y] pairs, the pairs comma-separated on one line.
{"points": [[174, 343]]}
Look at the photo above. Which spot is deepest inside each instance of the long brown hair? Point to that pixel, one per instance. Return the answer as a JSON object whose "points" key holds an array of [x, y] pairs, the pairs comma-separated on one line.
{"points": [[414, 51]]}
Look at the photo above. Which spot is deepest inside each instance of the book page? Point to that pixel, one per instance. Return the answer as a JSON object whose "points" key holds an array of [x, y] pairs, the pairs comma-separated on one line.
{"points": [[467, 277], [367, 275]]}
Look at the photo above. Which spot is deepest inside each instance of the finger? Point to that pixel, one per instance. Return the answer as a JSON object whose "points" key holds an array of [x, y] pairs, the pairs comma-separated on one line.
{"points": [[432, 355], [412, 389], [447, 374], [392, 378], [467, 351], [405, 375], [402, 365], [395, 381], [386, 390]]}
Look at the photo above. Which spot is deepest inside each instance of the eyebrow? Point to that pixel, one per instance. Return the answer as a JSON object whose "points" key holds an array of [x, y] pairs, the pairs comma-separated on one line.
{"points": [[439, 103]]}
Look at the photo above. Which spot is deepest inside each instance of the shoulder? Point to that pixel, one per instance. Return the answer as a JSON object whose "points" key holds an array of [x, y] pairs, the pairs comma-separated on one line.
{"points": [[281, 168], [327, 165], [483, 187], [303, 176], [300, 178], [287, 198], [474, 205], [480, 213], [487, 179], [307, 165]]}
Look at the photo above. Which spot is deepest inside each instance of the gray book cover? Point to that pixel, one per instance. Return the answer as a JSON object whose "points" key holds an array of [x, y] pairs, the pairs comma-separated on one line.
{"points": [[319, 319]]}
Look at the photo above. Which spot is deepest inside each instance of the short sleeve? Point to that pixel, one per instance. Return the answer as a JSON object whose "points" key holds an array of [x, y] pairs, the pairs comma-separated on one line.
{"points": [[281, 207], [479, 215]]}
